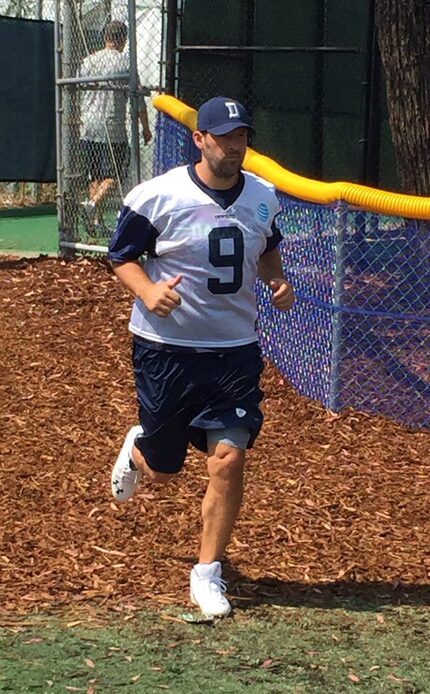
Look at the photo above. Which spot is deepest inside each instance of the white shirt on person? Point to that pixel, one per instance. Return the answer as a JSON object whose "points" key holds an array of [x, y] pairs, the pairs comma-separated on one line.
{"points": [[214, 239], [104, 111]]}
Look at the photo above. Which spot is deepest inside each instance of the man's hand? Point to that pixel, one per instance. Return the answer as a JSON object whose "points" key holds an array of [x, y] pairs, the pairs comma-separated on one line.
{"points": [[147, 135], [283, 294], [161, 298]]}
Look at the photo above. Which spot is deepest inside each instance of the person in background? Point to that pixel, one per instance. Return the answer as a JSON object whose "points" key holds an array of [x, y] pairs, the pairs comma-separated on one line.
{"points": [[208, 231], [104, 141]]}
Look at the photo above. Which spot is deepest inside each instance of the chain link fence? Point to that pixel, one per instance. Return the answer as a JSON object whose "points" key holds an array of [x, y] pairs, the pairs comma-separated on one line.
{"points": [[109, 63], [96, 111], [359, 334]]}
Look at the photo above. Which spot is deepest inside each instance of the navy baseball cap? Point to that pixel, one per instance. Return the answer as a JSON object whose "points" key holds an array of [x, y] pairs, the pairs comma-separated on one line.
{"points": [[221, 115]]}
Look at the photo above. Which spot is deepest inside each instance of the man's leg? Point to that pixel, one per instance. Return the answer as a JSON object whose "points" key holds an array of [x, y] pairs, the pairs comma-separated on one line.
{"points": [[99, 190], [220, 508], [115, 162], [107, 162], [153, 475], [130, 466], [222, 500], [159, 453]]}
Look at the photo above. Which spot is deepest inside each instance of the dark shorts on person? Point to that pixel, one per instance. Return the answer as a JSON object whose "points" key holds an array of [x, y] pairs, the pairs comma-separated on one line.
{"points": [[102, 160], [183, 394]]}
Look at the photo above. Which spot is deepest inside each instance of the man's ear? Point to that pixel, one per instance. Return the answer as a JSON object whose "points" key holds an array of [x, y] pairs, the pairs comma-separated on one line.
{"points": [[198, 138]]}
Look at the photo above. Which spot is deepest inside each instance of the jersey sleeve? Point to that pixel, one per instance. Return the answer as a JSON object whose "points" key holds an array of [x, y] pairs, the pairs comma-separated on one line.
{"points": [[134, 236], [274, 239]]}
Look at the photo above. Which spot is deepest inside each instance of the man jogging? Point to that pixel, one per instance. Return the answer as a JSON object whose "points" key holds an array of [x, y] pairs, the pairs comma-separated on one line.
{"points": [[208, 231]]}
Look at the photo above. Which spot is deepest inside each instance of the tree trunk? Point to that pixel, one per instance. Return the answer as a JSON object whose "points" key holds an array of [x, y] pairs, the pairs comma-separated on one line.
{"points": [[404, 42]]}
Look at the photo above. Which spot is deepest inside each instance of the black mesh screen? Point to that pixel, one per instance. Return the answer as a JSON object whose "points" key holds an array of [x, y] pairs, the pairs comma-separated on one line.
{"points": [[301, 67], [27, 96]]}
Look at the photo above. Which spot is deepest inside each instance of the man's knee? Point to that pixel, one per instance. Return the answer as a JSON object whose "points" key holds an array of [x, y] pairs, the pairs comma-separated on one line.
{"points": [[226, 464]]}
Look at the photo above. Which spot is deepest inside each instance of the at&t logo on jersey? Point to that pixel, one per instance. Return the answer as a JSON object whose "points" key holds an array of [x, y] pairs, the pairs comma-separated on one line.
{"points": [[262, 212]]}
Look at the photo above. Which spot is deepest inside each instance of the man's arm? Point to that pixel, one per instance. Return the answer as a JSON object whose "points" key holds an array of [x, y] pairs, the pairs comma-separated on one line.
{"points": [[271, 273], [159, 298], [143, 117], [147, 135]]}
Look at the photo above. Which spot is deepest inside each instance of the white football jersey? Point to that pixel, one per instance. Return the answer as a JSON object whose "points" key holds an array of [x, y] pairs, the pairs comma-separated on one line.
{"points": [[216, 250]]}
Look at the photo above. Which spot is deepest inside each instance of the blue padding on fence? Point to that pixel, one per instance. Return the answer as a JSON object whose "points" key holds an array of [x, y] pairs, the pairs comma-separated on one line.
{"points": [[359, 333], [174, 145]]}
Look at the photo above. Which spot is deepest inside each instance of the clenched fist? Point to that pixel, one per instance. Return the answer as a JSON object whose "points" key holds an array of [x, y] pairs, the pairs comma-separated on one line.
{"points": [[161, 297], [283, 294]]}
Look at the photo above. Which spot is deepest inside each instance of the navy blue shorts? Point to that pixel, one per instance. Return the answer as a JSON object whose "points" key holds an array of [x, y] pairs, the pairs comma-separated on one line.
{"points": [[182, 394], [98, 162]]}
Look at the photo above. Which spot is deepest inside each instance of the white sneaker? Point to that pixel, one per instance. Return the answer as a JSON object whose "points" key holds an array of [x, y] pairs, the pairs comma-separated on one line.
{"points": [[125, 475], [207, 590]]}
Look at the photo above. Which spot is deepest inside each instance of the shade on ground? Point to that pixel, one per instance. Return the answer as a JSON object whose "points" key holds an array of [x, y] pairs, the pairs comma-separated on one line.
{"points": [[28, 233]]}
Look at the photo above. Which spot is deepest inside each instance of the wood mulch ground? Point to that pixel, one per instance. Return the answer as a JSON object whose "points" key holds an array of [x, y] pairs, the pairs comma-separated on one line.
{"points": [[332, 505]]}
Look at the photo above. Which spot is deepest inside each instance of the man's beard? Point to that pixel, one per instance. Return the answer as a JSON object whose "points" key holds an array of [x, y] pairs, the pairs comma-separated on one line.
{"points": [[226, 168]]}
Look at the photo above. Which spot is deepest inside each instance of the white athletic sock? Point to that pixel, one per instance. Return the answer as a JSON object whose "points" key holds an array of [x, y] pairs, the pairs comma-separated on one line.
{"points": [[207, 570]]}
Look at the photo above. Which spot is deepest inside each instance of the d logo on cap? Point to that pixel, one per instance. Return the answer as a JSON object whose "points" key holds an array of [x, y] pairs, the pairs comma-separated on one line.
{"points": [[233, 111], [220, 115]]}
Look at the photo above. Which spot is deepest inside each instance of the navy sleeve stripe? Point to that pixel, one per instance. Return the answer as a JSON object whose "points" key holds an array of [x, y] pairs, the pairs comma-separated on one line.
{"points": [[274, 240], [134, 236]]}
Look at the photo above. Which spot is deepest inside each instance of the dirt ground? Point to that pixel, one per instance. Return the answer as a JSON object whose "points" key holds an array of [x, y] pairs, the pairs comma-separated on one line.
{"points": [[338, 501]]}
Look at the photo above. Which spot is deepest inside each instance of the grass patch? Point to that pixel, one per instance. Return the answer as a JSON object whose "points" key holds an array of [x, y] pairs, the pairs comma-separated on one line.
{"points": [[270, 649]]}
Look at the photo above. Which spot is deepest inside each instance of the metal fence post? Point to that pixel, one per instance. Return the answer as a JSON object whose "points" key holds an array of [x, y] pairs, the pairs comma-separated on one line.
{"points": [[335, 396], [58, 123], [134, 97], [70, 125], [371, 130], [171, 40]]}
